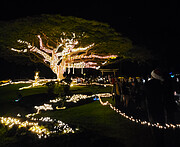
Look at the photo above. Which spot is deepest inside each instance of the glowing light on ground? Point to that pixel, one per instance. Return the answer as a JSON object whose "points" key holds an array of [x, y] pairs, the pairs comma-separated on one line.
{"points": [[34, 126], [44, 107], [131, 118], [41, 131], [59, 126]]}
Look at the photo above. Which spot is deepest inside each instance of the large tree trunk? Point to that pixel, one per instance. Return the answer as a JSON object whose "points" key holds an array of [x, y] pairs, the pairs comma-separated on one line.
{"points": [[60, 74], [58, 69], [61, 70]]}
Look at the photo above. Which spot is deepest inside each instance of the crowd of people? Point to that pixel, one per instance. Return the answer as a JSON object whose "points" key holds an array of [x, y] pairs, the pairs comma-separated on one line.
{"points": [[152, 99]]}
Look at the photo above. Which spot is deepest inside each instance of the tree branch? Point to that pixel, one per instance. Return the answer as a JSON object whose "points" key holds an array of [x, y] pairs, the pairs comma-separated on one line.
{"points": [[45, 55], [42, 46]]}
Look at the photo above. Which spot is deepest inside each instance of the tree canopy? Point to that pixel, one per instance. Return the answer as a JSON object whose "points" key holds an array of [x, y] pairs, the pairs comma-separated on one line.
{"points": [[107, 41]]}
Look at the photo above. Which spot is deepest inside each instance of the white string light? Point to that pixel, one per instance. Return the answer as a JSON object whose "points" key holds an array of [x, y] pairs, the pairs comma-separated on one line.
{"points": [[60, 60], [43, 132], [34, 127], [131, 118]]}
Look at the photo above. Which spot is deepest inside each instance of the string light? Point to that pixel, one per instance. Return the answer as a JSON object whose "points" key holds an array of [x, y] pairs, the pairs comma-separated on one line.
{"points": [[42, 132], [131, 118], [19, 82], [74, 98], [34, 127], [60, 60], [61, 108], [43, 107], [59, 126]]}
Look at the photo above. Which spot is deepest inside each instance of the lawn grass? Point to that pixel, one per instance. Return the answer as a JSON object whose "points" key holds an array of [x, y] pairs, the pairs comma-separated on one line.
{"points": [[90, 89], [99, 125], [103, 121], [10, 92]]}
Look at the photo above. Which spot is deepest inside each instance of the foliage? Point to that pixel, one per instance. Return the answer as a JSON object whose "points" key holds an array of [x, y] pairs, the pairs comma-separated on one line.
{"points": [[50, 27], [106, 40], [51, 86], [139, 54]]}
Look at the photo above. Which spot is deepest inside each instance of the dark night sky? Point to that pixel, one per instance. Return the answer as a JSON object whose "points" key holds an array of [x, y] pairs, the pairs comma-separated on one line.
{"points": [[152, 23], [144, 22]]}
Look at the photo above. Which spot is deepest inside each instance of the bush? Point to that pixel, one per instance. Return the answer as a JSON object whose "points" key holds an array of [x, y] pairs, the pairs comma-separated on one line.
{"points": [[50, 86], [11, 131]]}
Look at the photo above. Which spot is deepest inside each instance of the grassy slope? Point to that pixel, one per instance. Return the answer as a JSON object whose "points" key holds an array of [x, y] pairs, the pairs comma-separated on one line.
{"points": [[98, 123], [104, 121], [9, 93]]}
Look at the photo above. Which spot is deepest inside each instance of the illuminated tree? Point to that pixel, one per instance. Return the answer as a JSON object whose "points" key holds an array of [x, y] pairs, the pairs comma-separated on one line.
{"points": [[64, 55], [63, 42]]}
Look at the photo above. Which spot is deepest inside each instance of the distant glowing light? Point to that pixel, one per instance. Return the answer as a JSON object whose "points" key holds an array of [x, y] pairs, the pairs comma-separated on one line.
{"points": [[172, 76], [61, 108], [96, 99], [17, 100]]}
